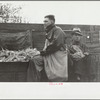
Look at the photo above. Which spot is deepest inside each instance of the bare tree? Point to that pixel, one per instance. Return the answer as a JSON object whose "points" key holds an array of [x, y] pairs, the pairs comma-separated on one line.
{"points": [[8, 13]]}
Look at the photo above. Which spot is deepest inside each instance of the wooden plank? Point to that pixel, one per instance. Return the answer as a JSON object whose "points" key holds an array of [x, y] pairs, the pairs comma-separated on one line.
{"points": [[99, 36], [38, 40], [94, 67], [13, 66], [39, 27], [21, 26]]}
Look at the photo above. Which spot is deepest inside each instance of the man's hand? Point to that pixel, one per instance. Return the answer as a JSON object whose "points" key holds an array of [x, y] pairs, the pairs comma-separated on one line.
{"points": [[38, 52], [77, 56], [42, 53]]}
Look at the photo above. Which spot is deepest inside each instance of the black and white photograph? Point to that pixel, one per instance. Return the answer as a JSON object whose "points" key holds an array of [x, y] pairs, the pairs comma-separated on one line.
{"points": [[56, 43]]}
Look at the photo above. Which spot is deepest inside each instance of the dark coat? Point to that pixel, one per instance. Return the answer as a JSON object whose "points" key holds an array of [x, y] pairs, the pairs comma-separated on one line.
{"points": [[80, 66], [55, 61], [56, 37]]}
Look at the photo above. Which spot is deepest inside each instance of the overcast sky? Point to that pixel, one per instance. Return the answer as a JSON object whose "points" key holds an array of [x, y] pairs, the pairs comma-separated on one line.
{"points": [[66, 12]]}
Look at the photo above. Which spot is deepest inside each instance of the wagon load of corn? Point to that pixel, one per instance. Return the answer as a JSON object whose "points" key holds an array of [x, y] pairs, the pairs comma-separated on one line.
{"points": [[18, 56]]}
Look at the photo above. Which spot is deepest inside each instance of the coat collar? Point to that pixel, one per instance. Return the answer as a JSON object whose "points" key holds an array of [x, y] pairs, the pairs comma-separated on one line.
{"points": [[76, 42], [49, 28]]}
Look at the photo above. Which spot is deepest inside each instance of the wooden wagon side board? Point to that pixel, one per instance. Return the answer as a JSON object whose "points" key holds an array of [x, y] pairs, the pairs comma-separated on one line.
{"points": [[13, 71]]}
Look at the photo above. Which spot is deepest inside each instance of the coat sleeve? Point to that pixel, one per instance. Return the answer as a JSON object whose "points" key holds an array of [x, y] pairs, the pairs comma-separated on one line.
{"points": [[56, 43]]}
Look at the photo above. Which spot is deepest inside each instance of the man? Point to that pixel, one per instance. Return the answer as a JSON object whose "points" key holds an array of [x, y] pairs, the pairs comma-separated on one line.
{"points": [[53, 58], [78, 53]]}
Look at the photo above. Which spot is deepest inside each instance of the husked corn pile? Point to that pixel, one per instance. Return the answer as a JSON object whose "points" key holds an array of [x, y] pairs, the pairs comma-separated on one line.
{"points": [[18, 56]]}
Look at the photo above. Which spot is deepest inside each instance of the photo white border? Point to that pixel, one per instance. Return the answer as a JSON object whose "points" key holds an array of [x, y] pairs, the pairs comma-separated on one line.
{"points": [[43, 90], [46, 91]]}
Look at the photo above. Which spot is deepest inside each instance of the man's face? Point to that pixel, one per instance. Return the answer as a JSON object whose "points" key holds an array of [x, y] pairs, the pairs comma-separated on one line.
{"points": [[76, 37], [47, 22]]}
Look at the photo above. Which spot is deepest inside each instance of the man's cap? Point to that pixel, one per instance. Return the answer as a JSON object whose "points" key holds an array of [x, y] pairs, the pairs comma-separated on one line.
{"points": [[76, 31]]}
